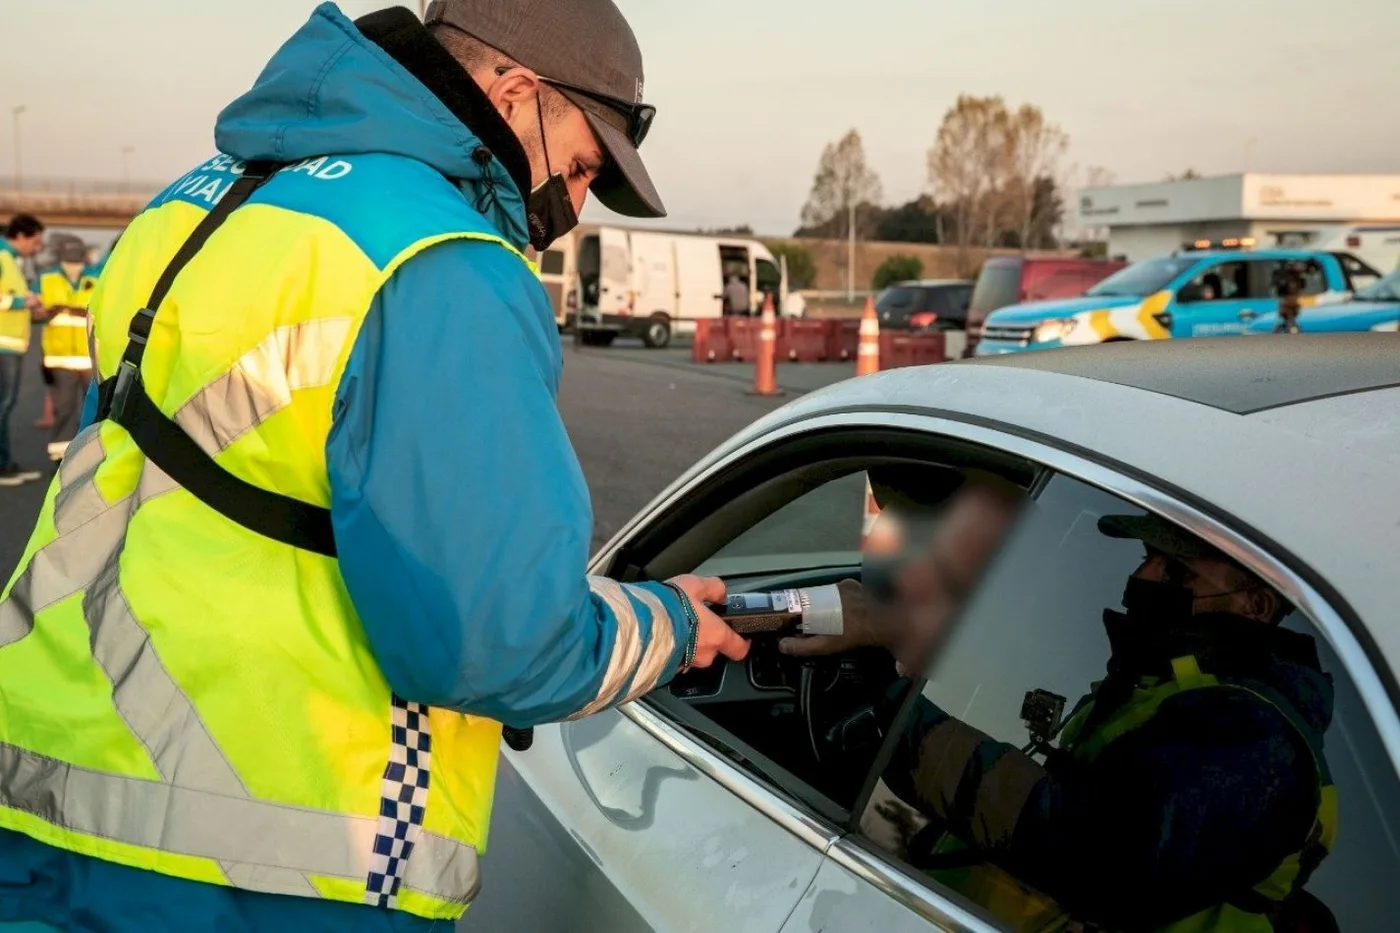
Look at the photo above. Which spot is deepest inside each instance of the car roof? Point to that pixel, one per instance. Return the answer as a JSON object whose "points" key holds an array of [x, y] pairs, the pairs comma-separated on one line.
{"points": [[1255, 253], [1286, 438]]}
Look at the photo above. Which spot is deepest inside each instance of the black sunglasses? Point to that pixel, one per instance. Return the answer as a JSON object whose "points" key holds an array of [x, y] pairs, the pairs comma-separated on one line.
{"points": [[639, 116]]}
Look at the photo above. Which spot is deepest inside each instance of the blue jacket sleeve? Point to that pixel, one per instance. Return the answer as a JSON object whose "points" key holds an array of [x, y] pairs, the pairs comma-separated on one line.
{"points": [[461, 515]]}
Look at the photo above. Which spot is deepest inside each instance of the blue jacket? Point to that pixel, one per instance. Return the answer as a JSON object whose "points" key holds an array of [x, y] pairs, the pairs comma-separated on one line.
{"points": [[461, 514]]}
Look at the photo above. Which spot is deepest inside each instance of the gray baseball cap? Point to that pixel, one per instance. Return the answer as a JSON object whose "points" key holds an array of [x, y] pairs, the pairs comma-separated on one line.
{"points": [[586, 51], [1159, 534]]}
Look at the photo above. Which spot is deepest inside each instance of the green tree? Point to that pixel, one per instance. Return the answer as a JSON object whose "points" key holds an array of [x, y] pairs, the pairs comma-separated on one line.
{"points": [[897, 269], [802, 272]]}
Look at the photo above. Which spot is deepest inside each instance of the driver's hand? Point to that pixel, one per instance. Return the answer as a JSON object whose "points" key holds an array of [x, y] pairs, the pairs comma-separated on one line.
{"points": [[713, 637], [930, 590], [860, 627]]}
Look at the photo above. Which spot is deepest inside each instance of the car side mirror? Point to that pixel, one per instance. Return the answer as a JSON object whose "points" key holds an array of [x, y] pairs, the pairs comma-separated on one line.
{"points": [[1189, 292]]}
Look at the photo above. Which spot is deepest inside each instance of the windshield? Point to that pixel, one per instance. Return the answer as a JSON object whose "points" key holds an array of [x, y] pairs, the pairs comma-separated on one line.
{"points": [[1144, 278], [1387, 289], [900, 298], [999, 285]]}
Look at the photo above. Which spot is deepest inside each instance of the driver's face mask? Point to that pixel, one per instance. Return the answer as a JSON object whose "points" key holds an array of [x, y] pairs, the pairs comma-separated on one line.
{"points": [[549, 210]]}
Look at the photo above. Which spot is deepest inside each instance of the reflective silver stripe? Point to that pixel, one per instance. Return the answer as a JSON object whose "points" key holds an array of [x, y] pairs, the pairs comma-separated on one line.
{"points": [[84, 455], [626, 648], [268, 880], [16, 613], [659, 650], [444, 868], [298, 356], [147, 697], [226, 829]]}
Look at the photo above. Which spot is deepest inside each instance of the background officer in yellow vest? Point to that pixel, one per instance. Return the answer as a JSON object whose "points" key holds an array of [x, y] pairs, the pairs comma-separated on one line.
{"points": [[65, 291], [255, 661], [1130, 822], [24, 237]]}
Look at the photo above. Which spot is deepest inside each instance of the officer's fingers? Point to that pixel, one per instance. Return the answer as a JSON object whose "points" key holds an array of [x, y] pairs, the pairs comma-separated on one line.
{"points": [[702, 589], [714, 637]]}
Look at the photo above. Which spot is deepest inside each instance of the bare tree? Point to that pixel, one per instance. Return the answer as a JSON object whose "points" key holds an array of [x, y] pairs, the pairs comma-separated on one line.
{"points": [[968, 163], [1035, 151], [842, 184]]}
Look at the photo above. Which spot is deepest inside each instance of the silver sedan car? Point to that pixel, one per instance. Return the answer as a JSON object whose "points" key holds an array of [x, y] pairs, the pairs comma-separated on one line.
{"points": [[758, 796]]}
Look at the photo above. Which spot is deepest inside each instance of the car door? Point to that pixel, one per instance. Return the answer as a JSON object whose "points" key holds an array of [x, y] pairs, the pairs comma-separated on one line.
{"points": [[1220, 298], [1037, 623]]}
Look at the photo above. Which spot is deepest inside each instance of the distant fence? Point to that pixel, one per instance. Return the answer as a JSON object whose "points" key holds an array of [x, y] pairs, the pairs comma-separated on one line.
{"points": [[103, 201]]}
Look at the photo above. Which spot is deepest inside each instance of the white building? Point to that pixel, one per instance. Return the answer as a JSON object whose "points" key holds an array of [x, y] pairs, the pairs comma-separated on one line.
{"points": [[1288, 210]]}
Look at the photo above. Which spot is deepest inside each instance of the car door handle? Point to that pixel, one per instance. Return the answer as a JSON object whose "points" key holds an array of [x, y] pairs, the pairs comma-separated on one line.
{"points": [[1248, 314]]}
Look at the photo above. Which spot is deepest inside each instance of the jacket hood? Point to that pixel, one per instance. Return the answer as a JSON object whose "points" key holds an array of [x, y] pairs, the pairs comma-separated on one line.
{"points": [[1035, 311], [1343, 316], [380, 85]]}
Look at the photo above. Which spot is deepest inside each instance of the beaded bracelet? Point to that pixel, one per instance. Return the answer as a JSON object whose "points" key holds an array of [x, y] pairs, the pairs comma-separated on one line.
{"points": [[688, 655]]}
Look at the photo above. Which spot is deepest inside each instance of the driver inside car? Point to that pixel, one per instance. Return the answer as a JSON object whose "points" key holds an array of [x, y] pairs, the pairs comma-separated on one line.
{"points": [[1189, 789]]}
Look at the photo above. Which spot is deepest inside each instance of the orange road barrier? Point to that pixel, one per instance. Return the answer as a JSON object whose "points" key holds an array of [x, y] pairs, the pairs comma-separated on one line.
{"points": [[872, 512], [868, 354]]}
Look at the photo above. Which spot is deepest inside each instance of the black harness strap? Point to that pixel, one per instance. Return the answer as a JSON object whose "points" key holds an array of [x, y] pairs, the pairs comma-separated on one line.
{"points": [[122, 399]]}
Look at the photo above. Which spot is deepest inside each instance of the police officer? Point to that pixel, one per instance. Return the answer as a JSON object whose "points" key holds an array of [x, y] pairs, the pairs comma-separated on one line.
{"points": [[1288, 284], [23, 239], [275, 611], [66, 290], [1189, 788]]}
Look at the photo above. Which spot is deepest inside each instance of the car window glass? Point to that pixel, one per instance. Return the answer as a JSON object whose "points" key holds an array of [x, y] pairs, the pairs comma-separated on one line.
{"points": [[999, 285], [1359, 274], [820, 528], [1112, 824], [1226, 281]]}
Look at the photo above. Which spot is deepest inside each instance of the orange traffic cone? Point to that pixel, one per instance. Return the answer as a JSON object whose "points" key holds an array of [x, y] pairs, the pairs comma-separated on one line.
{"points": [[868, 354], [872, 512], [765, 376]]}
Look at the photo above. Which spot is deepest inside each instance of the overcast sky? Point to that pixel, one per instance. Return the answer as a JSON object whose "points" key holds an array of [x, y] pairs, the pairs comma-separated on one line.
{"points": [[750, 90]]}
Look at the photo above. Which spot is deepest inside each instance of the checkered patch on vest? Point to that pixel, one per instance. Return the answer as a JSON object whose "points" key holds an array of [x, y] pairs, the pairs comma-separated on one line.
{"points": [[403, 797]]}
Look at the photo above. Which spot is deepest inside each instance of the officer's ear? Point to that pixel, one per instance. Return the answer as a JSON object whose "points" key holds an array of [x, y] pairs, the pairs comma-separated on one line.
{"points": [[512, 90], [1264, 604]]}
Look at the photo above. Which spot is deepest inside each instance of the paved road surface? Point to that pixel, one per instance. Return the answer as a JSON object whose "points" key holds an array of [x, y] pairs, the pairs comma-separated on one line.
{"points": [[638, 418]]}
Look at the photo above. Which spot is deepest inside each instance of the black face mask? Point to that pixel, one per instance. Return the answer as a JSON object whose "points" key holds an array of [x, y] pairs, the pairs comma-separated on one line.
{"points": [[1158, 604], [549, 210]]}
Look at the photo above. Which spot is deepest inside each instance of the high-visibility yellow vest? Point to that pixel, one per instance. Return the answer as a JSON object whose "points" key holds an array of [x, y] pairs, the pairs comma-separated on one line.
{"points": [[65, 335], [14, 321], [181, 694], [1002, 894]]}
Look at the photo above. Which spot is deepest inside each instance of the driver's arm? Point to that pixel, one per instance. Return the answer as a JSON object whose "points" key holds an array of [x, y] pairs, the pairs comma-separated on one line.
{"points": [[1188, 810]]}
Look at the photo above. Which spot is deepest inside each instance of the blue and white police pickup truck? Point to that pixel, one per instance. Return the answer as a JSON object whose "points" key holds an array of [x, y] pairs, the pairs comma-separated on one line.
{"points": [[1200, 292]]}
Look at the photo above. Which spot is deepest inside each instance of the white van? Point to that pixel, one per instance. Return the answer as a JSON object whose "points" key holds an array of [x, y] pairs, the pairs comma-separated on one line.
{"points": [[650, 284]]}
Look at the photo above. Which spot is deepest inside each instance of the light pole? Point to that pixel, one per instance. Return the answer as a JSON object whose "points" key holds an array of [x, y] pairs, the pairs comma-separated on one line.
{"points": [[126, 166], [851, 254], [19, 171]]}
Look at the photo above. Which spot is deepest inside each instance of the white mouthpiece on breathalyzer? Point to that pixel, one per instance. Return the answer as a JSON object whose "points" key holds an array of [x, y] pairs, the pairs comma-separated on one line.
{"points": [[821, 610]]}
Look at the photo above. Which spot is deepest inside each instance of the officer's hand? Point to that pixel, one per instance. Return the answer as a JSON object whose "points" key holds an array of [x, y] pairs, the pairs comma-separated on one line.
{"points": [[713, 637]]}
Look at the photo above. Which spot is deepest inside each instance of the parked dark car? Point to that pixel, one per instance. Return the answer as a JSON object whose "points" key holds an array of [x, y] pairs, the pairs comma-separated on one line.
{"points": [[1011, 280], [935, 304]]}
